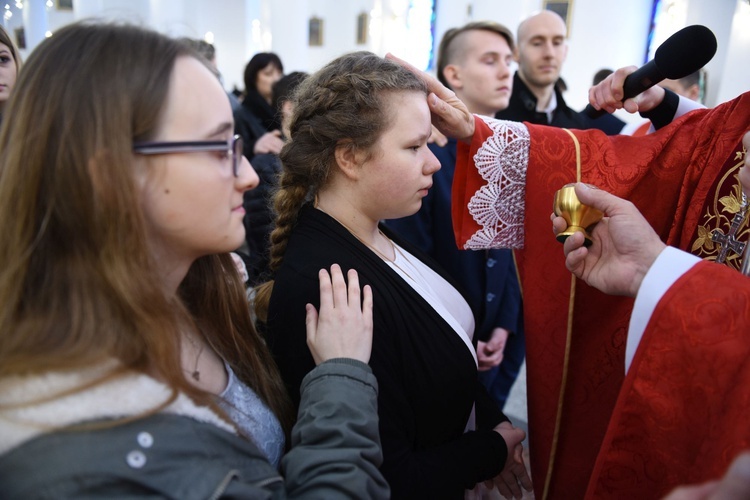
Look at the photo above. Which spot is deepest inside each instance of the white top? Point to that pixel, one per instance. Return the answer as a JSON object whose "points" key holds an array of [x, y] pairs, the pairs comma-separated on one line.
{"points": [[446, 300], [666, 269], [551, 107]]}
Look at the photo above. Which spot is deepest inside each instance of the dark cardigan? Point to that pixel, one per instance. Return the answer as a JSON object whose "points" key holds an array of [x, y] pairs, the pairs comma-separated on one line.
{"points": [[427, 376]]}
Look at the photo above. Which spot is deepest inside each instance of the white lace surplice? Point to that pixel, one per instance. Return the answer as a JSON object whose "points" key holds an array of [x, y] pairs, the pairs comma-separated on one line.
{"points": [[499, 205]]}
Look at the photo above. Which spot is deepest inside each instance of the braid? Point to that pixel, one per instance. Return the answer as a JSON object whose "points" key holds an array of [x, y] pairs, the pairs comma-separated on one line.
{"points": [[287, 202]]}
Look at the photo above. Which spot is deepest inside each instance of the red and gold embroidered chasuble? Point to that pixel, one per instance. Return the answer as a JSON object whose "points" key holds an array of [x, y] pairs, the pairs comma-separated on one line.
{"points": [[675, 418]]}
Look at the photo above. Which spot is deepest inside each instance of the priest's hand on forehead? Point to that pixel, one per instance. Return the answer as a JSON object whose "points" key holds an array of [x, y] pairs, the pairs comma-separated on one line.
{"points": [[745, 169]]}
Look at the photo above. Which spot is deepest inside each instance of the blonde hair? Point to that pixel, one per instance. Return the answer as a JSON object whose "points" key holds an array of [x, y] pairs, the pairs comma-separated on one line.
{"points": [[78, 284]]}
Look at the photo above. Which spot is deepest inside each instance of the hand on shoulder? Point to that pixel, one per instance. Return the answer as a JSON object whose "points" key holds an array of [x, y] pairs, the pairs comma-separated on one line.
{"points": [[343, 327]]}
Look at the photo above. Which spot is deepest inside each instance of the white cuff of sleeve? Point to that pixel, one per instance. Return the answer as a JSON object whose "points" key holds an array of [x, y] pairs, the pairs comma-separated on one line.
{"points": [[686, 106], [666, 269]]}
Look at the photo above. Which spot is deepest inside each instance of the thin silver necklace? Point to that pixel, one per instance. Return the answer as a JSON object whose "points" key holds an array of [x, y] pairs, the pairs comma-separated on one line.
{"points": [[371, 247], [196, 373]]}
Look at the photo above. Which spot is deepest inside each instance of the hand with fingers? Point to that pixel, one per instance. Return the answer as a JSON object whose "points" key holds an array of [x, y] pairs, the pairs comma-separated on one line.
{"points": [[514, 475], [490, 353], [734, 485], [270, 142], [624, 244], [343, 327], [608, 94]]}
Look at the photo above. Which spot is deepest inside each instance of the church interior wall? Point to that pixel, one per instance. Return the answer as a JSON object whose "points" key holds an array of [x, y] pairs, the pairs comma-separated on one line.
{"points": [[603, 33]]}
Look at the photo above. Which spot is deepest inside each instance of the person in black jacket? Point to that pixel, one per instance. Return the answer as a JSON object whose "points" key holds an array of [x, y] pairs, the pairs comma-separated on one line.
{"points": [[541, 50], [257, 202], [256, 120]]}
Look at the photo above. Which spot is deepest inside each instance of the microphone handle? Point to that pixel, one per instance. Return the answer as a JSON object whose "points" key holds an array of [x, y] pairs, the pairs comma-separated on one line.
{"points": [[636, 82]]}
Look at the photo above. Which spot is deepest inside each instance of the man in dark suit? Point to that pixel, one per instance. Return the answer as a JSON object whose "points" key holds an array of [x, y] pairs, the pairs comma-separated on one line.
{"points": [[541, 51]]}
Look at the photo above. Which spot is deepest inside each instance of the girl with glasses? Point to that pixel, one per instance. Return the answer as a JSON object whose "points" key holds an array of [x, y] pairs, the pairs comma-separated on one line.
{"points": [[126, 343]]}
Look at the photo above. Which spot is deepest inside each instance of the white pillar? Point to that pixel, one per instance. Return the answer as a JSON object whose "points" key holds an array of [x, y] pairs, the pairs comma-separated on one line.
{"points": [[731, 78], [34, 22], [83, 9], [288, 21], [168, 17], [253, 29], [716, 16]]}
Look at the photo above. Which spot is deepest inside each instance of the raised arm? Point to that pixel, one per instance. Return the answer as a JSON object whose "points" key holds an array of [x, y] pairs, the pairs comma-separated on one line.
{"points": [[608, 94], [657, 104]]}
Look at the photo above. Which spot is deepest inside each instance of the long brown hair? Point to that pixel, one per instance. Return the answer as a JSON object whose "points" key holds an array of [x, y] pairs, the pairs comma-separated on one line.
{"points": [[78, 284], [342, 104], [6, 40]]}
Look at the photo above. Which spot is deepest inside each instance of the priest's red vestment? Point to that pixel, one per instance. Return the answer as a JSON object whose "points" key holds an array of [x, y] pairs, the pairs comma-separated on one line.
{"points": [[610, 433]]}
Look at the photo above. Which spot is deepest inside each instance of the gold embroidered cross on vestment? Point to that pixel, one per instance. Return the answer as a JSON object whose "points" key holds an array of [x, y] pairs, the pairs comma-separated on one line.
{"points": [[729, 241]]}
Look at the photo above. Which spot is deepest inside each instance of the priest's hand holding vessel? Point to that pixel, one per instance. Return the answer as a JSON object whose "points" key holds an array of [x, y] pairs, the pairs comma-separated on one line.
{"points": [[578, 216]]}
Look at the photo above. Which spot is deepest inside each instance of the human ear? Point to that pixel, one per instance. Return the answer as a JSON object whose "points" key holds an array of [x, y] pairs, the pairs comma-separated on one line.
{"points": [[348, 159], [452, 75]]}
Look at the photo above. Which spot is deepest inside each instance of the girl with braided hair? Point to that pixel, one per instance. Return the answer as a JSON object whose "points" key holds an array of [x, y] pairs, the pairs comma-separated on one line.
{"points": [[357, 154]]}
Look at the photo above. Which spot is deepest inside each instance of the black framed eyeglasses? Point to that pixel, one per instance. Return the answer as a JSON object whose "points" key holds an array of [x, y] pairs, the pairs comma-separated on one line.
{"points": [[232, 147]]}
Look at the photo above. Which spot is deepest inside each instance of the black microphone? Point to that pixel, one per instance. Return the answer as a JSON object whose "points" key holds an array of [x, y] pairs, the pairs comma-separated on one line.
{"points": [[681, 54]]}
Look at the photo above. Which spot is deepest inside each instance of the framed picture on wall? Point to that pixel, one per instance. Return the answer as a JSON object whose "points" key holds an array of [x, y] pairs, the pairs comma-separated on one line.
{"points": [[362, 21], [562, 7], [316, 32], [20, 37]]}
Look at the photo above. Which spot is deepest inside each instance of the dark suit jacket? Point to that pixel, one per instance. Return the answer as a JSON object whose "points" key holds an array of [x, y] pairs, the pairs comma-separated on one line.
{"points": [[522, 108], [607, 123]]}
